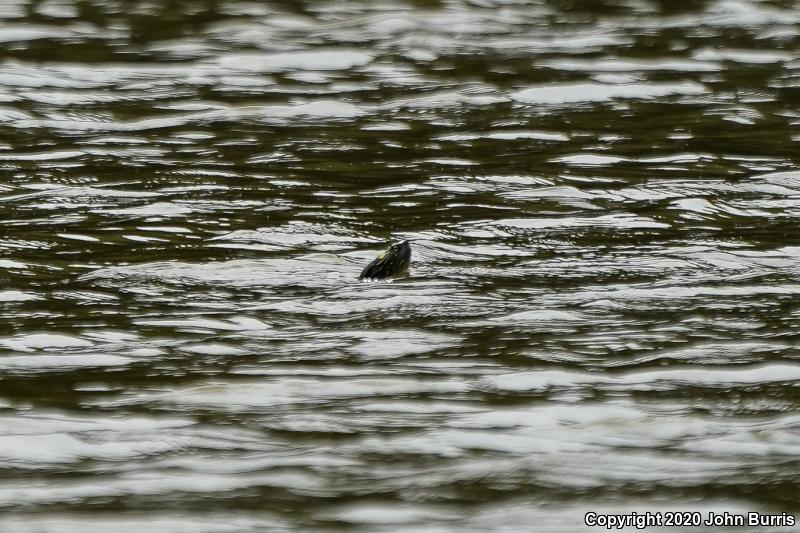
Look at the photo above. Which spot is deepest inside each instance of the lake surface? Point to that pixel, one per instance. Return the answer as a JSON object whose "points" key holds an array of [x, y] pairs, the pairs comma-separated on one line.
{"points": [[602, 312]]}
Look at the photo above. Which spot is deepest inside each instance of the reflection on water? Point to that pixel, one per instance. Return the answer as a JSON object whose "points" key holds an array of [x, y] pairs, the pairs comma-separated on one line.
{"points": [[602, 308]]}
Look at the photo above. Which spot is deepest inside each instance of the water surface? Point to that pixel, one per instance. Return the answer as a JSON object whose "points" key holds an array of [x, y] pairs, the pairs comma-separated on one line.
{"points": [[602, 310]]}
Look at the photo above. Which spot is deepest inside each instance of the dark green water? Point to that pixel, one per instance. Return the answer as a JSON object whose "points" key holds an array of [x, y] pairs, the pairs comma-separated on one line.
{"points": [[603, 307]]}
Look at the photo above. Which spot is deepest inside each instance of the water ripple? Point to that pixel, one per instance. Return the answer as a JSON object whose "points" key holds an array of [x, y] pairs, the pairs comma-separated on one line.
{"points": [[601, 307]]}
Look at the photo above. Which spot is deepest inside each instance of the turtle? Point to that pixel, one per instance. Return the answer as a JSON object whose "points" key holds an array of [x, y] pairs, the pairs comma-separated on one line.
{"points": [[390, 263]]}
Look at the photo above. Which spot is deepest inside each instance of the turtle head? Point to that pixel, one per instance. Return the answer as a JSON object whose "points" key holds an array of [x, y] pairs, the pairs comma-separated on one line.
{"points": [[402, 250], [391, 262]]}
